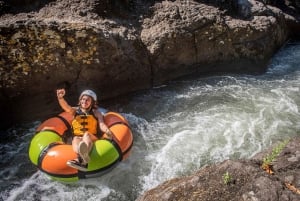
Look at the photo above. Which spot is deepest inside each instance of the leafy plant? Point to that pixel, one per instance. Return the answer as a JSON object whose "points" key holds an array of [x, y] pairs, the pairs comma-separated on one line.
{"points": [[267, 161], [227, 178]]}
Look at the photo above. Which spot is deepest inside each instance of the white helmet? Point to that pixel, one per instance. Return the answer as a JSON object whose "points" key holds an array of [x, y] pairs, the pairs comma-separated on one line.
{"points": [[89, 93]]}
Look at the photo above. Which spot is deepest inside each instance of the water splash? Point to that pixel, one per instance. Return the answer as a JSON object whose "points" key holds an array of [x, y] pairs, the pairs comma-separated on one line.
{"points": [[221, 117]]}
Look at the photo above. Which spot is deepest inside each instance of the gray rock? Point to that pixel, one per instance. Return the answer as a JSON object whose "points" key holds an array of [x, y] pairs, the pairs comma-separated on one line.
{"points": [[114, 49]]}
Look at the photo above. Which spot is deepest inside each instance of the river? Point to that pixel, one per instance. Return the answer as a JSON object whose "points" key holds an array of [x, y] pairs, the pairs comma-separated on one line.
{"points": [[178, 128]]}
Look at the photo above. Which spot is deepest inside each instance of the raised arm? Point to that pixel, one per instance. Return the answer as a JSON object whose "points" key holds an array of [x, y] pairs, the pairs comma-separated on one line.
{"points": [[63, 103]]}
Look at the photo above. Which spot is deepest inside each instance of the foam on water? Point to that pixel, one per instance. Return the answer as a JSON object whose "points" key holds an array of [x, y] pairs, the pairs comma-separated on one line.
{"points": [[231, 117], [39, 187]]}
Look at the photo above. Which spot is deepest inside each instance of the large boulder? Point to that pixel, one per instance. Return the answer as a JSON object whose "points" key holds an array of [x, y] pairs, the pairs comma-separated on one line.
{"points": [[119, 46], [186, 37]]}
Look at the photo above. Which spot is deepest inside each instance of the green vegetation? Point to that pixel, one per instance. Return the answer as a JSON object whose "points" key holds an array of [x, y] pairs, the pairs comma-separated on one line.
{"points": [[267, 161], [227, 178]]}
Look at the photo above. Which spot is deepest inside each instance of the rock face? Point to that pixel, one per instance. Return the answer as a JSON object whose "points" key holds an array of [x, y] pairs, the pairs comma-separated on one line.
{"points": [[187, 37], [119, 46], [247, 180]]}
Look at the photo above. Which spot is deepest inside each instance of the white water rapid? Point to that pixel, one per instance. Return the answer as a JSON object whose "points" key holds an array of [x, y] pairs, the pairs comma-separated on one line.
{"points": [[178, 128]]}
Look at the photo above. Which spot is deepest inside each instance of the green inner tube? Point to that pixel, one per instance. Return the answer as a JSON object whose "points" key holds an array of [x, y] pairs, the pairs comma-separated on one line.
{"points": [[39, 142]]}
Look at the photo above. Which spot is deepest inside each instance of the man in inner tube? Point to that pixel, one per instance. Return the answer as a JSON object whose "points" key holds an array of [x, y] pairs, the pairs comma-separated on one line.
{"points": [[86, 119]]}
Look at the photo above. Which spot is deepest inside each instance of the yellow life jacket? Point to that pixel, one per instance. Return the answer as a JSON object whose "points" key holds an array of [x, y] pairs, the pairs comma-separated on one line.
{"points": [[84, 122]]}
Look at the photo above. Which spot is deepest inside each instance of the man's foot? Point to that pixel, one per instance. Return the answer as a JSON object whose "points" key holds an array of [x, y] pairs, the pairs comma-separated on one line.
{"points": [[83, 152], [79, 166]]}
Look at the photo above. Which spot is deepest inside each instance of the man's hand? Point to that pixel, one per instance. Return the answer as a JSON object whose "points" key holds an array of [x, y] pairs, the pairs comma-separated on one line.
{"points": [[109, 134], [60, 93]]}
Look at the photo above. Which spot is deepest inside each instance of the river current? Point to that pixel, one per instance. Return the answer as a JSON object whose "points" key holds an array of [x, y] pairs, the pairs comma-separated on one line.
{"points": [[178, 128]]}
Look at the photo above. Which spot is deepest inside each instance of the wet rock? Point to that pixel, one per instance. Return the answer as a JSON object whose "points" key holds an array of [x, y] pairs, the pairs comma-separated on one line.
{"points": [[248, 180]]}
